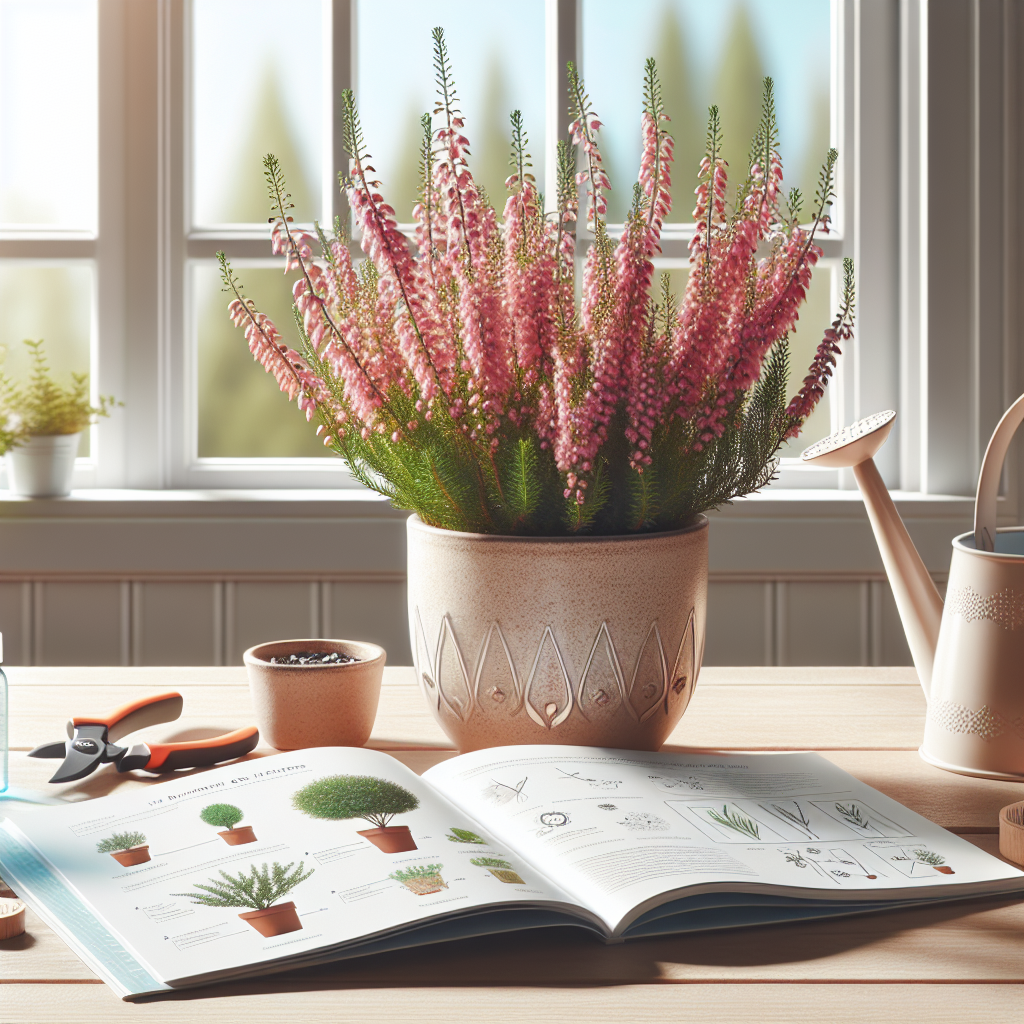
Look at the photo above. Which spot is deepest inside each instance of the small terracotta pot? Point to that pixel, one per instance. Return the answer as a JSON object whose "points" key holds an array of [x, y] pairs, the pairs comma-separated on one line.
{"points": [[425, 886], [238, 836], [315, 705], [133, 855], [393, 839], [274, 920], [504, 875], [944, 868]]}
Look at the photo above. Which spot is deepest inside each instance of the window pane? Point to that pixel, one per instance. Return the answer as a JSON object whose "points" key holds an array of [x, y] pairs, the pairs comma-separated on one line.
{"points": [[52, 302], [498, 65], [709, 53], [257, 88], [242, 414], [48, 119]]}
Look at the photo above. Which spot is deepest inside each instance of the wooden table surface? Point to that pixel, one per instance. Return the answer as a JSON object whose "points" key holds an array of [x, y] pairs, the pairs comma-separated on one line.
{"points": [[955, 963]]}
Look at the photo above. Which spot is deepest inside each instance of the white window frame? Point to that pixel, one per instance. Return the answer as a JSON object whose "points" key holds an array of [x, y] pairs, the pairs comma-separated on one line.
{"points": [[919, 292]]}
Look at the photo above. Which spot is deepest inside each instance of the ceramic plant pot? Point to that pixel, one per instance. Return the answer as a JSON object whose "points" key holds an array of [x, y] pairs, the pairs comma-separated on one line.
{"points": [[582, 640], [42, 466], [238, 836], [134, 855], [315, 705], [391, 839], [944, 869], [274, 920]]}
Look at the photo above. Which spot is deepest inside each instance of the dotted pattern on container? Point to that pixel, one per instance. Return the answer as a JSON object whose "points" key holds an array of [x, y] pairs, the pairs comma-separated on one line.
{"points": [[1005, 608], [985, 723]]}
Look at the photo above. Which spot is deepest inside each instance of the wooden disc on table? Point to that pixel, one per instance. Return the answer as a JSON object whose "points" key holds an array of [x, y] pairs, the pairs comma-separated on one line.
{"points": [[12, 918], [1011, 833]]}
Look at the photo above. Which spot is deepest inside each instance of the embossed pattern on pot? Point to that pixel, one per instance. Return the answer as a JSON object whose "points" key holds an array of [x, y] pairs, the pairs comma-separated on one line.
{"points": [[591, 640]]}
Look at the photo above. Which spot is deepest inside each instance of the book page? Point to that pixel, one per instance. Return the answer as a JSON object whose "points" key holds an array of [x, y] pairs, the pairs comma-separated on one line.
{"points": [[349, 879], [623, 830]]}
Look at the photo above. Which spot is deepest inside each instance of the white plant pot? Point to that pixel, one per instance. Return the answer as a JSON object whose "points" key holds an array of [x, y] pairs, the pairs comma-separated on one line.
{"points": [[42, 466], [582, 640]]}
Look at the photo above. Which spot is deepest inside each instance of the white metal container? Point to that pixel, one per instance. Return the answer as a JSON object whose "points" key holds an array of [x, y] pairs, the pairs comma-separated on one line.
{"points": [[42, 466]]}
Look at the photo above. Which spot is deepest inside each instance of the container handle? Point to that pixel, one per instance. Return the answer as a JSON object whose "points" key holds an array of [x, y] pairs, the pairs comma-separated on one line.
{"points": [[991, 471]]}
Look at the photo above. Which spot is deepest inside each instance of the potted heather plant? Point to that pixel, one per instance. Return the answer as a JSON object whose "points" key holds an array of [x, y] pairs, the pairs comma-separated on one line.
{"points": [[127, 848], [422, 879], [558, 453], [501, 869], [43, 424], [341, 797], [259, 889], [227, 816]]}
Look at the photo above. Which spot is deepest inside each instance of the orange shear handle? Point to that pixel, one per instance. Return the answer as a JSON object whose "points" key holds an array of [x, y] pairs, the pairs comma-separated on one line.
{"points": [[136, 714], [169, 757]]}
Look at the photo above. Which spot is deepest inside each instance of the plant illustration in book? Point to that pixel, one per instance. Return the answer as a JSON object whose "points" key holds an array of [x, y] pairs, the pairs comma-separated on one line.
{"points": [[463, 835], [258, 889], [728, 821], [669, 784], [378, 801], [735, 820], [860, 818], [792, 812], [592, 783], [500, 793], [501, 869], [226, 817], [837, 865], [644, 821], [421, 879], [127, 848], [550, 820], [917, 861]]}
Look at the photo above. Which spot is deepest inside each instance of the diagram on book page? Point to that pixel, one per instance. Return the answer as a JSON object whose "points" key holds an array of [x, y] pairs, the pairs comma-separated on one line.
{"points": [[605, 784], [728, 821], [836, 865], [644, 821], [861, 819], [674, 784], [803, 819], [500, 792], [915, 860]]}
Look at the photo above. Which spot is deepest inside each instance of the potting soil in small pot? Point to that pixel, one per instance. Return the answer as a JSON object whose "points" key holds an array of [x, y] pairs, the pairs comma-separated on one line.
{"points": [[274, 920]]}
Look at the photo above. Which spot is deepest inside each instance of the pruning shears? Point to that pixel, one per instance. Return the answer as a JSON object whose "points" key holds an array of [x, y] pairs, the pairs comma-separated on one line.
{"points": [[92, 741]]}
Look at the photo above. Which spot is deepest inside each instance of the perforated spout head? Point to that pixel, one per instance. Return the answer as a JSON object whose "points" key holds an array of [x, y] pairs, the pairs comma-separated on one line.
{"points": [[853, 444]]}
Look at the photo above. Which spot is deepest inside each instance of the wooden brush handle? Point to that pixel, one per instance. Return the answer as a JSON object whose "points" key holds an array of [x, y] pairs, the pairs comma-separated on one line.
{"points": [[1011, 833]]}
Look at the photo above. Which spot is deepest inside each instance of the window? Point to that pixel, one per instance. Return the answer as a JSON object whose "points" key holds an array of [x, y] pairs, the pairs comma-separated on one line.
{"points": [[149, 162]]}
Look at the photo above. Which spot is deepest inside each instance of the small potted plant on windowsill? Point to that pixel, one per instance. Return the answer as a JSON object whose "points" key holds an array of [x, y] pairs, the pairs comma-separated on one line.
{"points": [[227, 816], [259, 889], [340, 797], [127, 848], [42, 426]]}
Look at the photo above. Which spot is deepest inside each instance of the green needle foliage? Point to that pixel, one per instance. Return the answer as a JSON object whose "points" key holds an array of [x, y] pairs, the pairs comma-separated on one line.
{"points": [[853, 814], [42, 407], [736, 821], [222, 815], [417, 871], [340, 797], [257, 888], [929, 857], [463, 835], [490, 862], [119, 842]]}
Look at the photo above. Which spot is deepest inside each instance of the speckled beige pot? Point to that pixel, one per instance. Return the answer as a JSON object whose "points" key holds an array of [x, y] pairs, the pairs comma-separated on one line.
{"points": [[583, 640], [315, 705]]}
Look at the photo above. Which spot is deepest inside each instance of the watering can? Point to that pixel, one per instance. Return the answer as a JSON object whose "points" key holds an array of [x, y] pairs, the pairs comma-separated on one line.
{"points": [[969, 652]]}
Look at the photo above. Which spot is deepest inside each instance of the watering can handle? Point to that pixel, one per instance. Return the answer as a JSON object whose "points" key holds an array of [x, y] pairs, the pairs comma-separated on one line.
{"points": [[991, 471]]}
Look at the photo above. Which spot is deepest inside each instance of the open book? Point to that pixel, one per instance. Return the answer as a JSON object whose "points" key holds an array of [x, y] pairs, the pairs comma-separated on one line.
{"points": [[317, 855]]}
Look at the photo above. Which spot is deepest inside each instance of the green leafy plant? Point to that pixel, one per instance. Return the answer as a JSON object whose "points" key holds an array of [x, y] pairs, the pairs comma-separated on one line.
{"points": [[463, 835], [736, 821], [929, 857], [42, 407], [222, 815], [490, 862], [119, 842], [257, 888], [417, 871], [854, 815], [340, 797]]}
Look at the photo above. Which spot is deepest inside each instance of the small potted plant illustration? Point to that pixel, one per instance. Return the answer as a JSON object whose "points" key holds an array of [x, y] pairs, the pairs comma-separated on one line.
{"points": [[422, 879], [340, 797], [463, 835], [259, 889], [501, 869], [936, 860], [227, 816], [127, 848]]}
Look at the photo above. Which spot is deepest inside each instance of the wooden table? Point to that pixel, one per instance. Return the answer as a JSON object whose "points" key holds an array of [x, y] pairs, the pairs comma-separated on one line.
{"points": [[954, 963]]}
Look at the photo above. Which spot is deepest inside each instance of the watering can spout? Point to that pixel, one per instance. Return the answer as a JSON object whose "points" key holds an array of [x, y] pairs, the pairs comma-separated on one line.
{"points": [[917, 597]]}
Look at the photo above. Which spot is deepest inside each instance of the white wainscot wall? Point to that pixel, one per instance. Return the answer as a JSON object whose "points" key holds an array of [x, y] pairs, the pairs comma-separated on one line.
{"points": [[189, 578]]}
